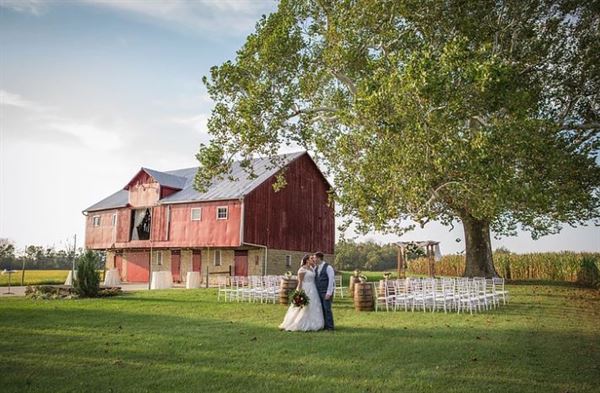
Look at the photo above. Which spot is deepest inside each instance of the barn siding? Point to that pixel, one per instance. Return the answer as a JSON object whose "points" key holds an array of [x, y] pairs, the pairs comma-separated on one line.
{"points": [[102, 236], [297, 217], [143, 191], [182, 231], [123, 225], [208, 231]]}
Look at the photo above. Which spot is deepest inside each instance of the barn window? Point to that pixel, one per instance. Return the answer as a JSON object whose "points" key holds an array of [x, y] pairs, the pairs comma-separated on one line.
{"points": [[96, 221], [222, 213], [157, 257], [114, 220], [256, 260], [196, 214], [288, 261], [217, 258]]}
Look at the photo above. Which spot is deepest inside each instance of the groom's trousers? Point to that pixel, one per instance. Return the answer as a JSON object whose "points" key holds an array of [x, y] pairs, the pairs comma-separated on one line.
{"points": [[327, 313]]}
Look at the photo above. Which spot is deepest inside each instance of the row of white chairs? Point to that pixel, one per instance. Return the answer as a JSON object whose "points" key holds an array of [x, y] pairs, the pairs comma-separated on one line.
{"points": [[263, 289], [437, 294]]}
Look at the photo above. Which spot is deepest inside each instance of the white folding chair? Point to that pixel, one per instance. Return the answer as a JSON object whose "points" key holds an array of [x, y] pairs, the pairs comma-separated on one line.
{"points": [[499, 291], [339, 288], [386, 295]]}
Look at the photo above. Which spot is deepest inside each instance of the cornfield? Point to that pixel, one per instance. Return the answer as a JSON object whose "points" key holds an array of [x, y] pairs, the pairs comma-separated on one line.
{"points": [[559, 266]]}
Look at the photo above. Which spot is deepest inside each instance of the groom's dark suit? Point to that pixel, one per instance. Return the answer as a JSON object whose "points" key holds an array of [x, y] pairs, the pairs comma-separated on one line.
{"points": [[322, 281]]}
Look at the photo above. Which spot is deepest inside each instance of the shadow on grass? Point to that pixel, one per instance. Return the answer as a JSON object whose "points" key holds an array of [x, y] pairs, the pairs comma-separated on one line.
{"points": [[96, 345], [549, 283]]}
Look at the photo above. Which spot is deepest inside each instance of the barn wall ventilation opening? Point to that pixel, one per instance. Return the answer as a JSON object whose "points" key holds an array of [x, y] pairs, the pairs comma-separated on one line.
{"points": [[141, 220]]}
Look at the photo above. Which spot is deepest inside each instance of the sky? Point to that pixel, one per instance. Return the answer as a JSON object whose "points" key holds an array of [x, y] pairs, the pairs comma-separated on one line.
{"points": [[92, 90]]}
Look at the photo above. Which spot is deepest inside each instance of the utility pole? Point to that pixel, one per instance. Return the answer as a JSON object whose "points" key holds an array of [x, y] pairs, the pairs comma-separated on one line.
{"points": [[73, 259]]}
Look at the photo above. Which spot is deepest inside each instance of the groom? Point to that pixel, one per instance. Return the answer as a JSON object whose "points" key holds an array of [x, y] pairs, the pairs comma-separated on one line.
{"points": [[325, 281]]}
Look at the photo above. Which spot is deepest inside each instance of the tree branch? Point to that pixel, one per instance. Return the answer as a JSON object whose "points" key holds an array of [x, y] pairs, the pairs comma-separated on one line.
{"points": [[481, 120], [345, 80], [308, 111], [581, 126]]}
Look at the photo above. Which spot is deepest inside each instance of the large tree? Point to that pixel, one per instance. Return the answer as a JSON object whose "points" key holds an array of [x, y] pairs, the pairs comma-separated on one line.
{"points": [[485, 112]]}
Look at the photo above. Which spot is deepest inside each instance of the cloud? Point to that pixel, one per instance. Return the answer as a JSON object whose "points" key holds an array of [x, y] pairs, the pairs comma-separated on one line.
{"points": [[229, 16], [34, 7], [197, 122], [89, 134], [41, 121], [15, 100]]}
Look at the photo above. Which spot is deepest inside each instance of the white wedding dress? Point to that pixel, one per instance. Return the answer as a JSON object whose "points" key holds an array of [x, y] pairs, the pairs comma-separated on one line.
{"points": [[309, 317]]}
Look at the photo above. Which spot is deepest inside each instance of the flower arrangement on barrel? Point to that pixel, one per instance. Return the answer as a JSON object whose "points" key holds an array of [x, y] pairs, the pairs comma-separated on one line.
{"points": [[299, 298]]}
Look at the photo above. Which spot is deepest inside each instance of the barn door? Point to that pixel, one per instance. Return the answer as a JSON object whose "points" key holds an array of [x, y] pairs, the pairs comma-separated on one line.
{"points": [[138, 266], [196, 261], [118, 264], [176, 265], [241, 263]]}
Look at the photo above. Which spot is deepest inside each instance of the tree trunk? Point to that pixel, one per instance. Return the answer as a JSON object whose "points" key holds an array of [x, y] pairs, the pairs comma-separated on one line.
{"points": [[478, 248]]}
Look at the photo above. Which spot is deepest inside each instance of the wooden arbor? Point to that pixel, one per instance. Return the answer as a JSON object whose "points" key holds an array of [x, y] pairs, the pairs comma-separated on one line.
{"points": [[428, 245]]}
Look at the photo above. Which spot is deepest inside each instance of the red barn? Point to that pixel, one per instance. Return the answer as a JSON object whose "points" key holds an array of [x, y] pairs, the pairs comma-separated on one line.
{"points": [[239, 226]]}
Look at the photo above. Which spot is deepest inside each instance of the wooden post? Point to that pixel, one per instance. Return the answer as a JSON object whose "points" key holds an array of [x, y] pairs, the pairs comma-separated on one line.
{"points": [[206, 275], [401, 263], [430, 254], [22, 273], [104, 270]]}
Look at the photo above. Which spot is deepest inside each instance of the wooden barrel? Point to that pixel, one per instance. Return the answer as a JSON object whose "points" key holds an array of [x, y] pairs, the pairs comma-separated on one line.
{"points": [[353, 280], [363, 296], [287, 285]]}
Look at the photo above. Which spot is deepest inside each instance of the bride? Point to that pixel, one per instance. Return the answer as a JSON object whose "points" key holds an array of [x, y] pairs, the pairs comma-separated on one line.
{"points": [[309, 317]]}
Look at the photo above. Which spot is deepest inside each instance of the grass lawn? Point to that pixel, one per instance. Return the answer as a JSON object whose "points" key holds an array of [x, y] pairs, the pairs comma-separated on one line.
{"points": [[35, 277], [546, 340]]}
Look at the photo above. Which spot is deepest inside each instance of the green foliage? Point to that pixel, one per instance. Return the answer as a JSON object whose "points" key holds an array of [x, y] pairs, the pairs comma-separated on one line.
{"points": [[545, 340], [38, 257], [413, 252], [87, 280], [588, 274], [298, 298], [424, 111], [368, 255]]}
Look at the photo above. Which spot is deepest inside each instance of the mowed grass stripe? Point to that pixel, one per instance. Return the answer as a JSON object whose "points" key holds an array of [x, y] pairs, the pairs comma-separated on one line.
{"points": [[546, 339]]}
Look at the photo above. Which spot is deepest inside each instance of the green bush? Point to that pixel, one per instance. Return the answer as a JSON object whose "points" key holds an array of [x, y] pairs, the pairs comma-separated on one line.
{"points": [[87, 280], [588, 274]]}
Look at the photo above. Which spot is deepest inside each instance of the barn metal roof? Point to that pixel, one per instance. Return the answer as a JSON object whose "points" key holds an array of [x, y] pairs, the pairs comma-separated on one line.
{"points": [[221, 189], [167, 179], [118, 199]]}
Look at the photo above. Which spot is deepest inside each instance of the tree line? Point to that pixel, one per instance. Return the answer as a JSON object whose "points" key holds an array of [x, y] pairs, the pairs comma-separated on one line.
{"points": [[36, 257], [350, 255]]}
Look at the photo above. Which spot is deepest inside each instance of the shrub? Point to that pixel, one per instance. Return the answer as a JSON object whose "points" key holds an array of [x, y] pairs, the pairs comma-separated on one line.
{"points": [[87, 280], [588, 274], [48, 292], [109, 292]]}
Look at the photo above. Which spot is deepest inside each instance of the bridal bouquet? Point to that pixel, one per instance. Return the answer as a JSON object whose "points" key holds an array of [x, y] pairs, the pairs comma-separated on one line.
{"points": [[299, 298]]}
